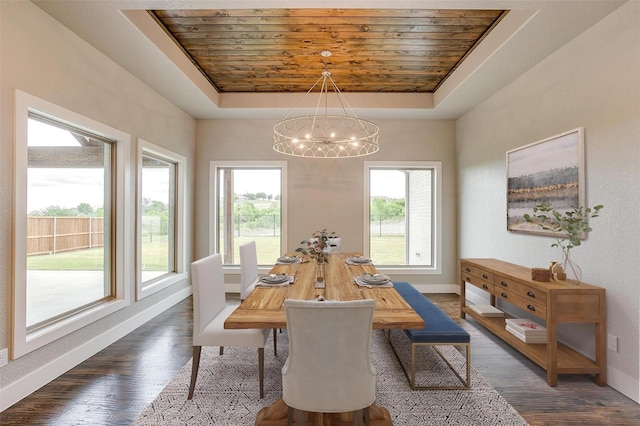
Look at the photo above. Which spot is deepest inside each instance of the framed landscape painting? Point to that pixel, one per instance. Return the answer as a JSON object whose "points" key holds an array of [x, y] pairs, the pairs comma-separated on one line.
{"points": [[550, 170]]}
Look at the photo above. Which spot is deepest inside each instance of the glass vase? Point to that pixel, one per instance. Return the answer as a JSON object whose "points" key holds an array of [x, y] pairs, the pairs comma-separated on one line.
{"points": [[320, 275], [571, 268]]}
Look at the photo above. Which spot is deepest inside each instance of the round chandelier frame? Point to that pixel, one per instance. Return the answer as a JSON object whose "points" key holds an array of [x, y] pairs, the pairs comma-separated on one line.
{"points": [[323, 135]]}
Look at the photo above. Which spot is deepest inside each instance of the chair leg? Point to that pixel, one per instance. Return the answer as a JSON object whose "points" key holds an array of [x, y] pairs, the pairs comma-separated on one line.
{"points": [[221, 350], [275, 342], [301, 417], [261, 370], [289, 416], [194, 370], [367, 421]]}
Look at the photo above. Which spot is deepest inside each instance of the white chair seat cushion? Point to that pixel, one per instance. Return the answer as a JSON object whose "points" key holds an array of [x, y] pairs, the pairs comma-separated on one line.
{"points": [[214, 333]]}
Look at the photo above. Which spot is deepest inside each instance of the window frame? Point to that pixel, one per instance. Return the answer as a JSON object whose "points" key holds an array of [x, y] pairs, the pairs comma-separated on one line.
{"points": [[214, 167], [23, 341], [436, 236], [144, 289]]}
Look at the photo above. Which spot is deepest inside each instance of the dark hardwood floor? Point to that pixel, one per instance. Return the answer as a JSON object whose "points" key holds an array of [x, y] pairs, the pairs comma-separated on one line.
{"points": [[112, 387]]}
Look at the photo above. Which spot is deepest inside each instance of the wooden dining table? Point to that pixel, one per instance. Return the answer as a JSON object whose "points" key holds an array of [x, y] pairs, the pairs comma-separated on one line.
{"points": [[264, 308]]}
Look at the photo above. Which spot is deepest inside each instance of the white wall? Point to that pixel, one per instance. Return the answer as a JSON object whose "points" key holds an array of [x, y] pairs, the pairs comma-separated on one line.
{"points": [[594, 82], [329, 193], [41, 57]]}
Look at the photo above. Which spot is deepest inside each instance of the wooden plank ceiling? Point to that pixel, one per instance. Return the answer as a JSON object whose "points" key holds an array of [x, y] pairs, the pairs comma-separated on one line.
{"points": [[278, 50]]}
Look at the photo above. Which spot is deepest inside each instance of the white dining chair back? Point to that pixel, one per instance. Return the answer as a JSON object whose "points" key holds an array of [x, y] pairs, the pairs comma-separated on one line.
{"points": [[210, 310], [333, 244], [248, 269], [329, 367], [249, 277]]}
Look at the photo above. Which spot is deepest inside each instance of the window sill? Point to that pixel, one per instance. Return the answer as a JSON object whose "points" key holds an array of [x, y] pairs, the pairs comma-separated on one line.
{"points": [[26, 342], [160, 283], [391, 270]]}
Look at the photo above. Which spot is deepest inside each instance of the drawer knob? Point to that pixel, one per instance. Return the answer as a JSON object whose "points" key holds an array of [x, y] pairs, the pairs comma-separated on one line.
{"points": [[531, 294], [531, 307], [485, 286], [503, 295], [485, 276], [467, 269], [503, 284], [468, 279]]}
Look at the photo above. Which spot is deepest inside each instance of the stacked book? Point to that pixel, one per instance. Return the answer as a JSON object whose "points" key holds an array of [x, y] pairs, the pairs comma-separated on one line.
{"points": [[486, 310], [526, 330]]}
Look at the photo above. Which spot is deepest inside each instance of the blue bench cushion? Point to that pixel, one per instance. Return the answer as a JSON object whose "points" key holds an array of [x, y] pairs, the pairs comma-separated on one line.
{"points": [[439, 327]]}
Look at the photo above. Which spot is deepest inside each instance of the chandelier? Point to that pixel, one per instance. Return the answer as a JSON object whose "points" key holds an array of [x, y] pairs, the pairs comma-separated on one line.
{"points": [[322, 135]]}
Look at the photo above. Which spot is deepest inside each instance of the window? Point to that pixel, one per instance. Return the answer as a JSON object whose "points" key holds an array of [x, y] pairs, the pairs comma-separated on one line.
{"points": [[68, 214], [161, 191], [402, 214], [249, 203], [70, 256]]}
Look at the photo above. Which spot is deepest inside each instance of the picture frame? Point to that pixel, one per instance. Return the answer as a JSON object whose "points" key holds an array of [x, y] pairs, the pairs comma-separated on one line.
{"points": [[550, 170]]}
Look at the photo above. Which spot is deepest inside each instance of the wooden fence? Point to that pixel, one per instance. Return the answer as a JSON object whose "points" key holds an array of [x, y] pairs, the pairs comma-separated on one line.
{"points": [[48, 235]]}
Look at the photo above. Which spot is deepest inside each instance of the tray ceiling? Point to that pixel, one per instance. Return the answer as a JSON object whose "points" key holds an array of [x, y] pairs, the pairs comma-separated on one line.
{"points": [[415, 65], [278, 50]]}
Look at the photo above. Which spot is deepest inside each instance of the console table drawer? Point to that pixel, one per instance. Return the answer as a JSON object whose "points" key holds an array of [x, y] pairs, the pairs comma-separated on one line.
{"points": [[477, 272], [486, 286], [478, 282], [528, 305], [532, 294]]}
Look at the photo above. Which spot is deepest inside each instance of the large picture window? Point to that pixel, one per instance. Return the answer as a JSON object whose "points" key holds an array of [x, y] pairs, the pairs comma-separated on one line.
{"points": [[69, 218], [161, 192], [70, 227], [249, 203], [402, 215]]}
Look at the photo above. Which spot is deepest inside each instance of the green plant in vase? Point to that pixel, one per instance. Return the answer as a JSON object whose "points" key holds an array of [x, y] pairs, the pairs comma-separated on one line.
{"points": [[316, 246], [568, 227]]}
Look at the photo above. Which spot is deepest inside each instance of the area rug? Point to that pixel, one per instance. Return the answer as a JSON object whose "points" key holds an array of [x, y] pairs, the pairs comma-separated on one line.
{"points": [[227, 389]]}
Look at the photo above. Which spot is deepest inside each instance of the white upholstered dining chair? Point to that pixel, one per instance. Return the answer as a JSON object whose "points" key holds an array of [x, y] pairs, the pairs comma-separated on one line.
{"points": [[329, 367], [209, 313], [248, 268], [249, 277]]}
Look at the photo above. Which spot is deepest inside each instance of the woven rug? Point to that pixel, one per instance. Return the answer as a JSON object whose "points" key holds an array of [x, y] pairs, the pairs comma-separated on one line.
{"points": [[227, 389]]}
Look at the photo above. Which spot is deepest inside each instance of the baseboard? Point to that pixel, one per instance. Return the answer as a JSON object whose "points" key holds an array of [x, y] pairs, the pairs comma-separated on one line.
{"points": [[232, 288], [33, 381], [623, 383], [437, 288]]}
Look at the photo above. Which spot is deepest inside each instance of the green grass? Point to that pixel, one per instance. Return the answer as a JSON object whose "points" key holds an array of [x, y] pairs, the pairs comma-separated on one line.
{"points": [[388, 250], [268, 249], [76, 260], [154, 258]]}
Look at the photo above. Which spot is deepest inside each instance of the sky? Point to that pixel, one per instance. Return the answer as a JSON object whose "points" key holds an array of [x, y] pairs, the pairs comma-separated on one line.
{"points": [[67, 188], [387, 183]]}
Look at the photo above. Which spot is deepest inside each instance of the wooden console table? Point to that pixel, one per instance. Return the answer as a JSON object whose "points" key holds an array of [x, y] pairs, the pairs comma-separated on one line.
{"points": [[554, 302]]}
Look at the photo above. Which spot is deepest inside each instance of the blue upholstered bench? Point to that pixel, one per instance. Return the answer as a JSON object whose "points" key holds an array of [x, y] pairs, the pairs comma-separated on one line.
{"points": [[439, 330]]}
